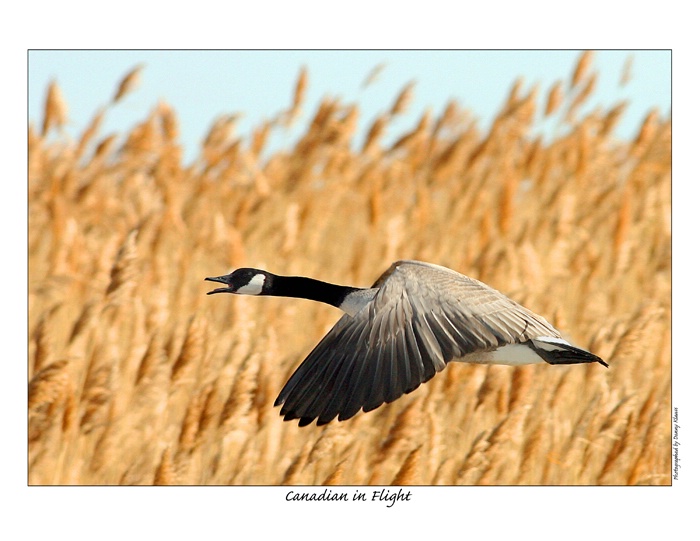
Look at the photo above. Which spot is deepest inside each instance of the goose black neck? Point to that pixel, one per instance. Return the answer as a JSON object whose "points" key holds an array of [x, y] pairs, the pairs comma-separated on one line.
{"points": [[308, 288]]}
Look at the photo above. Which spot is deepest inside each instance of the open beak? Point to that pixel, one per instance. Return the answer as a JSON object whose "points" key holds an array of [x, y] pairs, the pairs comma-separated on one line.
{"points": [[221, 280]]}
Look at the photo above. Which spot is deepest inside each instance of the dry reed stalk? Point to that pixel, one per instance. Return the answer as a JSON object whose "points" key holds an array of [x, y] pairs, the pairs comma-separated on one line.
{"points": [[582, 68], [97, 393], [409, 474], [48, 386], [292, 474], [85, 322], [394, 237], [581, 97], [138, 473], [418, 134], [70, 411], [191, 424], [446, 162], [524, 114], [43, 344], [607, 443], [584, 151], [403, 100], [169, 125], [493, 389], [239, 403], [479, 150], [505, 448], [620, 461], [291, 228], [448, 120], [299, 96], [626, 73], [554, 98], [485, 231], [217, 138], [192, 352], [513, 97], [259, 139], [123, 274], [403, 432], [103, 149], [247, 464], [348, 127], [90, 133], [151, 361], [268, 380], [328, 447], [436, 443], [55, 109], [646, 132], [633, 339], [622, 228], [35, 152], [537, 441], [130, 81], [475, 462], [156, 413], [103, 455], [337, 475], [507, 203], [521, 387], [373, 75], [612, 118], [145, 138], [211, 411], [374, 134], [165, 473], [319, 124], [575, 441], [651, 466]]}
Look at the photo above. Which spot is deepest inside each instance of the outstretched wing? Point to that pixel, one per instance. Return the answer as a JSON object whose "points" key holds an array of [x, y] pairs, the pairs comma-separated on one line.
{"points": [[421, 317]]}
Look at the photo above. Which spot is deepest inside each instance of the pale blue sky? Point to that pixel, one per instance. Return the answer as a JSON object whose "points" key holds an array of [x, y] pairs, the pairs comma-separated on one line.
{"points": [[201, 85]]}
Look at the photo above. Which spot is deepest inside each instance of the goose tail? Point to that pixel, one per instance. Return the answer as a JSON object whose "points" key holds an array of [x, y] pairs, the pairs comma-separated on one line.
{"points": [[558, 351]]}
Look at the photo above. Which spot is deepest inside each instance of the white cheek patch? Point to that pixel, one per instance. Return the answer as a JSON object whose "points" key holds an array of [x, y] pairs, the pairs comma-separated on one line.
{"points": [[254, 287]]}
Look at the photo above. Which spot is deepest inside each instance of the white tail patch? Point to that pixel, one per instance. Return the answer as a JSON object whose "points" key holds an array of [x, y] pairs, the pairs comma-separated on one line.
{"points": [[549, 343], [511, 354], [253, 287]]}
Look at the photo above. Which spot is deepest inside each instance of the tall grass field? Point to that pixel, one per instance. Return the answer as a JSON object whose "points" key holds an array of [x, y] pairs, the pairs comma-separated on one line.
{"points": [[137, 377]]}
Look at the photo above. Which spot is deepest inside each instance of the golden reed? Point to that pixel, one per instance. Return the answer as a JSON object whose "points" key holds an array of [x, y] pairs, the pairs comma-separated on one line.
{"points": [[137, 377]]}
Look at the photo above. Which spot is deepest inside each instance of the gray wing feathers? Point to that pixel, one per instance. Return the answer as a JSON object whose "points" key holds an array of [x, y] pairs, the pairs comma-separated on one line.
{"points": [[422, 317]]}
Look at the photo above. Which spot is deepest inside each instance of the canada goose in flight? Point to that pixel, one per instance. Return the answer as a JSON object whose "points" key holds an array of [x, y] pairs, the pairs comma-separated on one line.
{"points": [[398, 333]]}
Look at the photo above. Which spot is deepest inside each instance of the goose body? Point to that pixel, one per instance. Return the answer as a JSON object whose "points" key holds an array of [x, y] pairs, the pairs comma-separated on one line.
{"points": [[399, 333]]}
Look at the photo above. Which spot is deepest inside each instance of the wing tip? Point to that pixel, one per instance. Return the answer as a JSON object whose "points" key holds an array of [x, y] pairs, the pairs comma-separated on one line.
{"points": [[564, 353]]}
